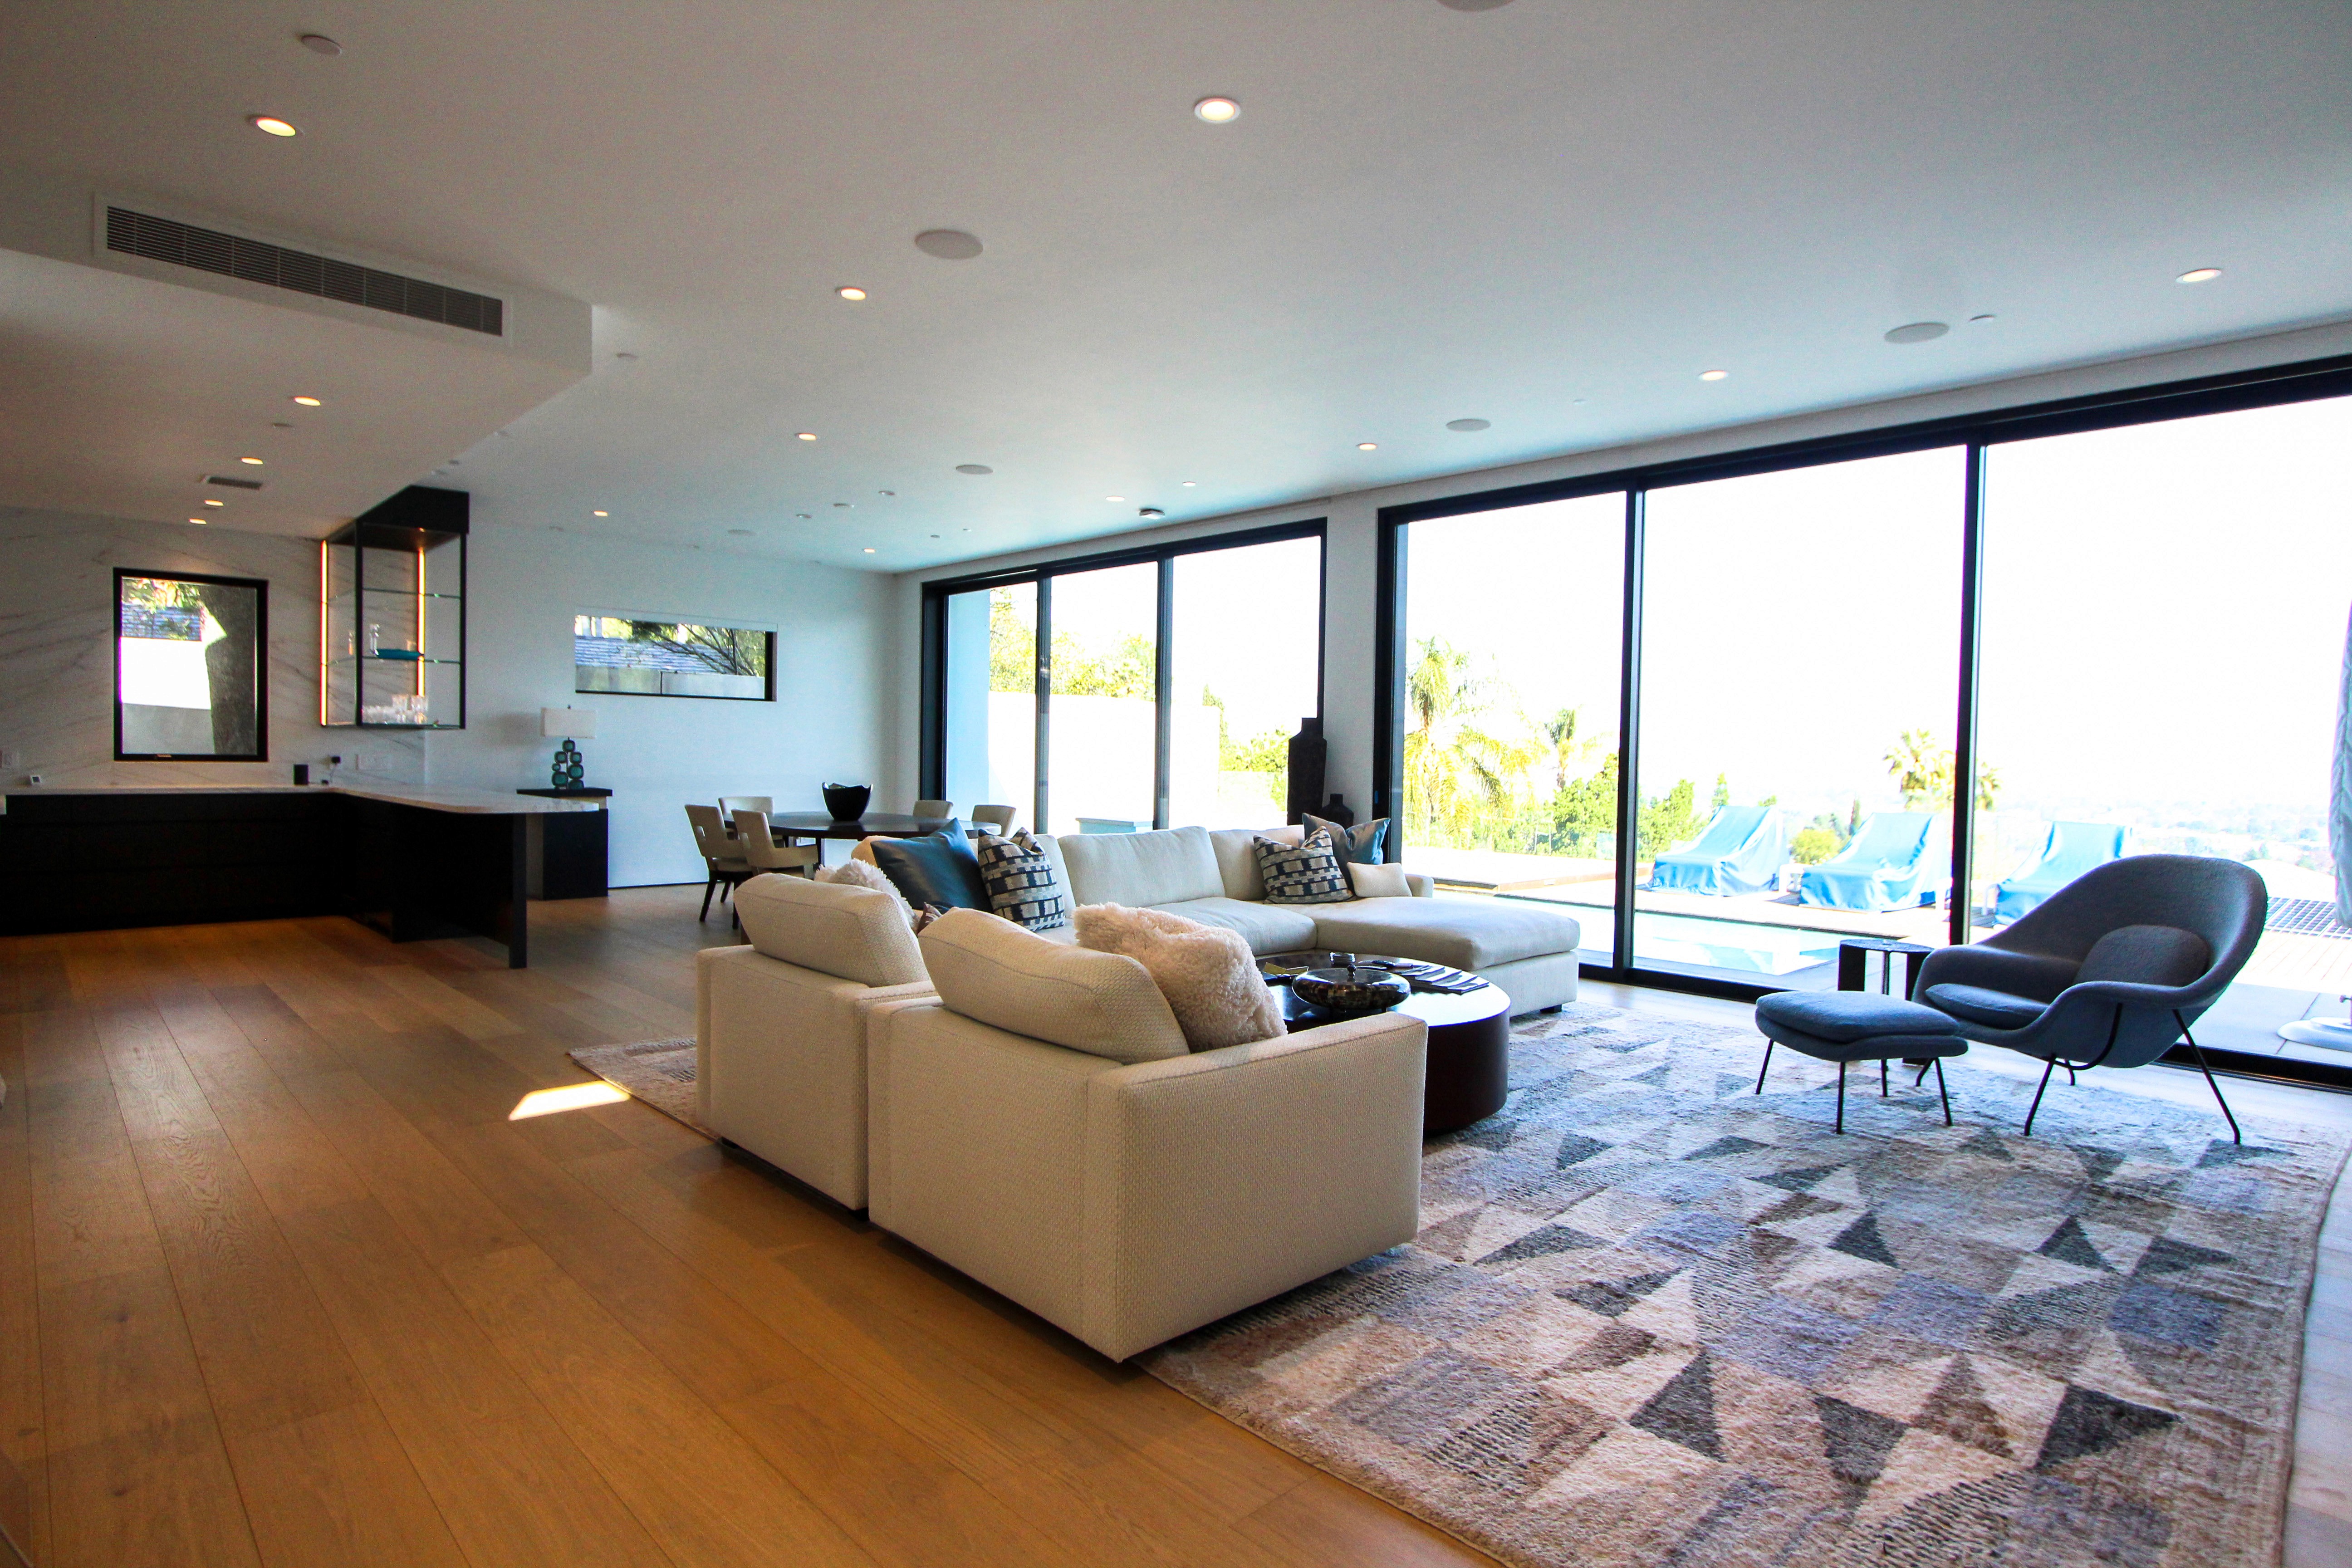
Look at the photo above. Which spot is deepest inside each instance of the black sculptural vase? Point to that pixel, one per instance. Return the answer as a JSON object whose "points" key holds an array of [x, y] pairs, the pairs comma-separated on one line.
{"points": [[1308, 753], [847, 802]]}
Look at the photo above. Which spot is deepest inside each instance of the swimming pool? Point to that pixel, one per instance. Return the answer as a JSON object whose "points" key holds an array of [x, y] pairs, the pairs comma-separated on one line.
{"points": [[1735, 946]]}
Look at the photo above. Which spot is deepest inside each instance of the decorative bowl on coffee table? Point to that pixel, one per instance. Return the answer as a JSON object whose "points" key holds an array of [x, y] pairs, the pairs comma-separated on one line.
{"points": [[1350, 992]]}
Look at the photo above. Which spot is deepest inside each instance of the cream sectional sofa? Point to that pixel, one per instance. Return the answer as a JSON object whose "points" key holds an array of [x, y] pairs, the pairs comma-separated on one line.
{"points": [[1528, 948]]}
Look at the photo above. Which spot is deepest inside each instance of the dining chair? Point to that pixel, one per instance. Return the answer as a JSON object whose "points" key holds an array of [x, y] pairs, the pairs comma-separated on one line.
{"points": [[764, 853], [998, 820], [934, 808], [721, 855], [729, 805]]}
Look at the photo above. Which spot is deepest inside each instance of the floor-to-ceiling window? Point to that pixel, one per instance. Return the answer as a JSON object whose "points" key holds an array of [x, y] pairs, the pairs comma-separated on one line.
{"points": [[1245, 650], [1800, 685], [1102, 727], [990, 698], [1171, 681], [2164, 617], [1511, 677]]}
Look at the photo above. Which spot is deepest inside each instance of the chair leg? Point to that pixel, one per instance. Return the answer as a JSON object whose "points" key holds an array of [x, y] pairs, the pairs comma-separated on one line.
{"points": [[2199, 1053], [1882, 1078], [708, 889], [1765, 1069], [1841, 1116], [1941, 1091], [2047, 1069]]}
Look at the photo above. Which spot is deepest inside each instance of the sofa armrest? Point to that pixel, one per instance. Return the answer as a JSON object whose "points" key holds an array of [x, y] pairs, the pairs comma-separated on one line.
{"points": [[1217, 1180], [1421, 884]]}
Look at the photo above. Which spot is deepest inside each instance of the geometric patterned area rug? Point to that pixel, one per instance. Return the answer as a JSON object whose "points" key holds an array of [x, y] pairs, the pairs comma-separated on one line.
{"points": [[1653, 1317], [659, 1072]]}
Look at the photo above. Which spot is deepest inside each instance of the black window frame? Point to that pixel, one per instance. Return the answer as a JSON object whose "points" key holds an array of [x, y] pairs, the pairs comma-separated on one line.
{"points": [[768, 693], [932, 762], [260, 586], [2303, 381]]}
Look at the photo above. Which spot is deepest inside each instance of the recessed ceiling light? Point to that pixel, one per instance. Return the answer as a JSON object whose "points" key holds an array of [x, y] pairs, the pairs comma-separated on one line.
{"points": [[624, 355], [1367, 446], [805, 516], [740, 532], [1216, 110], [2198, 275], [1149, 512], [1467, 425], [869, 550], [1114, 498], [974, 469], [255, 461], [198, 522], [808, 434], [851, 293], [885, 492], [1713, 374], [845, 505], [1188, 484], [1988, 316], [1474, 5], [271, 125], [319, 44], [306, 401], [1916, 332], [947, 244], [209, 501], [600, 514], [280, 424]]}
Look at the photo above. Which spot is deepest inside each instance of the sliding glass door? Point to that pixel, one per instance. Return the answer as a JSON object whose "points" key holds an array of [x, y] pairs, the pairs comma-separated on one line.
{"points": [[1160, 688], [1102, 725], [1800, 683], [2163, 612], [1511, 676], [1246, 655]]}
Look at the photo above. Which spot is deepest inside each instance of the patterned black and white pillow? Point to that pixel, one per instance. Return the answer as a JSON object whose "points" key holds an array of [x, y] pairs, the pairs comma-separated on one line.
{"points": [[1308, 873], [1020, 881]]}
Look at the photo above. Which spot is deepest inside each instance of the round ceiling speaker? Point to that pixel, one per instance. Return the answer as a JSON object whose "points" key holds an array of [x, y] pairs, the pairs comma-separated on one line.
{"points": [[1474, 5], [974, 469], [947, 244], [1466, 425], [1917, 332]]}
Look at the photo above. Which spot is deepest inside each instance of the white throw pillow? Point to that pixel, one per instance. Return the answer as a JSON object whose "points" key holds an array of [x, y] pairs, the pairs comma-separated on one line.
{"points": [[1384, 881], [866, 874], [1207, 973]]}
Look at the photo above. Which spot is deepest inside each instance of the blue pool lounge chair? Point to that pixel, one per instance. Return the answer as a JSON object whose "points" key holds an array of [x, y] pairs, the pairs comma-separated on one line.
{"points": [[2073, 848], [1740, 852], [1896, 861]]}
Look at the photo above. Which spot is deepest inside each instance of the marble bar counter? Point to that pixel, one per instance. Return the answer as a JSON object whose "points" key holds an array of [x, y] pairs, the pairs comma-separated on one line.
{"points": [[412, 861]]}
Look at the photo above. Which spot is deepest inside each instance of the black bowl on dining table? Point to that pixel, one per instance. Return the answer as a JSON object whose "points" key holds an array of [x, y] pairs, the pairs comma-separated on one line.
{"points": [[1350, 992], [847, 802]]}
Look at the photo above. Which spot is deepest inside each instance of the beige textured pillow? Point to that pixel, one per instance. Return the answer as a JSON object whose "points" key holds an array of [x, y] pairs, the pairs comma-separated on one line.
{"points": [[1378, 882], [851, 932], [866, 874], [1206, 972]]}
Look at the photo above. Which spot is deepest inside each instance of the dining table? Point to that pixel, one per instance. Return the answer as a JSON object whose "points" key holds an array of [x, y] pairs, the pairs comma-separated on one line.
{"points": [[791, 827]]}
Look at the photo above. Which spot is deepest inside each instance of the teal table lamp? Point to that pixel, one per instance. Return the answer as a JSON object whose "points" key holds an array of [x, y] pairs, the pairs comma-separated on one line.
{"points": [[567, 770]]}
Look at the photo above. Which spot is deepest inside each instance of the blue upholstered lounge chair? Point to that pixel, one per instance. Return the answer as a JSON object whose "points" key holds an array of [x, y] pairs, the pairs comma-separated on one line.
{"points": [[2071, 849], [1740, 852], [1896, 861], [2110, 970]]}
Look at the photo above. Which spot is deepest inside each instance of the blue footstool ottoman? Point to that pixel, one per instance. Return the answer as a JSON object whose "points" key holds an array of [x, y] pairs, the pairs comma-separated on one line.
{"points": [[1844, 1026]]}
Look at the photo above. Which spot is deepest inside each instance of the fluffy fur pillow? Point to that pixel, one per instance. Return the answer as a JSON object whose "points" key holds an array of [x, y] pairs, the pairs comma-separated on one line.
{"points": [[866, 874], [1206, 972]]}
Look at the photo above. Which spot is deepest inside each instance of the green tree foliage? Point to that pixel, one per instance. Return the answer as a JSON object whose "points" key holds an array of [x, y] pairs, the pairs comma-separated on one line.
{"points": [[1811, 846], [1670, 819], [1584, 811], [1011, 646], [1461, 770], [1921, 766], [1722, 797]]}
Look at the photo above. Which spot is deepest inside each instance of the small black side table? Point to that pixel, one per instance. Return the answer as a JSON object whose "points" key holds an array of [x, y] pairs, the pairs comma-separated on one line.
{"points": [[1853, 964], [569, 852]]}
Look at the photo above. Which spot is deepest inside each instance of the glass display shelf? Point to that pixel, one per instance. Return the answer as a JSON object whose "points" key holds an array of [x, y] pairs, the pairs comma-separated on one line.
{"points": [[392, 634]]}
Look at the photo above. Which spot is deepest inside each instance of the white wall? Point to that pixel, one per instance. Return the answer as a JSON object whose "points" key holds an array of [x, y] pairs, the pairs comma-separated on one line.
{"points": [[837, 655], [837, 652], [1351, 557], [57, 651]]}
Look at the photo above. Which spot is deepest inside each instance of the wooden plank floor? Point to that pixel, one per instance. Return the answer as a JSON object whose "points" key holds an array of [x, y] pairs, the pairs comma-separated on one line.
{"points": [[281, 1284]]}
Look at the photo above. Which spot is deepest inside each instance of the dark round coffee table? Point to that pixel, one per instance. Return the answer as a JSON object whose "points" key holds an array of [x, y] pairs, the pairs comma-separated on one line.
{"points": [[1469, 1045]]}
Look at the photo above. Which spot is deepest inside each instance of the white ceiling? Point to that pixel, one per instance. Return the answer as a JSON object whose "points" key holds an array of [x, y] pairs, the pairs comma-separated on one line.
{"points": [[1551, 216]]}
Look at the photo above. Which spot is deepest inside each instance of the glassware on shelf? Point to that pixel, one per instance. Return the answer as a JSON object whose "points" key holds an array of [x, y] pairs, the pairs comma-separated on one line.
{"points": [[392, 624]]}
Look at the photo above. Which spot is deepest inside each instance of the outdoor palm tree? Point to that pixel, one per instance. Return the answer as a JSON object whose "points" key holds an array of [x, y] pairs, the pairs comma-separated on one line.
{"points": [[1459, 768]]}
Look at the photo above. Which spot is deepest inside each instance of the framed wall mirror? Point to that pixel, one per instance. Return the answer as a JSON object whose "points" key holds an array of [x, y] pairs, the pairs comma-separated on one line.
{"points": [[191, 680]]}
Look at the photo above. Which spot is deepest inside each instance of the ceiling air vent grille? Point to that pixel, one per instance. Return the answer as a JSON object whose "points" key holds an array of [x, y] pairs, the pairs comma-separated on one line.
{"points": [[257, 261], [234, 484]]}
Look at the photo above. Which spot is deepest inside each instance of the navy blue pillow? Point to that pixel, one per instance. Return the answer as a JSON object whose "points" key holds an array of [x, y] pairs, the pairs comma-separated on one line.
{"points": [[937, 868]]}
